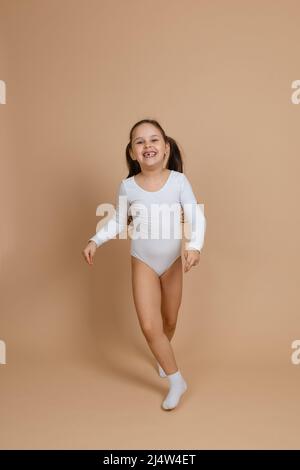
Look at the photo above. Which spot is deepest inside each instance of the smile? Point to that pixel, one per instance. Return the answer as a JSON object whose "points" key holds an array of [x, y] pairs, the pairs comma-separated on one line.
{"points": [[149, 154]]}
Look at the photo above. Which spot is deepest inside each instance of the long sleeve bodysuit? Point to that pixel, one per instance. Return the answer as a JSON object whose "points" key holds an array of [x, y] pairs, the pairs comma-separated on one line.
{"points": [[156, 215]]}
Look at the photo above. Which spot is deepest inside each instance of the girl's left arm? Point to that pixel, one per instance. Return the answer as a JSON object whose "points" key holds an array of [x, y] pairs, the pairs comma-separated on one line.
{"points": [[193, 214]]}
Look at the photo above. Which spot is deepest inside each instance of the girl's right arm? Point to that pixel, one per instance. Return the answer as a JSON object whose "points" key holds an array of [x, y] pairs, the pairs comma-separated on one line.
{"points": [[113, 227]]}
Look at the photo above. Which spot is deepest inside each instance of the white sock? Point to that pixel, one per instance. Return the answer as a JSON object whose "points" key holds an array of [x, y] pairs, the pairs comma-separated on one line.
{"points": [[177, 387], [161, 371]]}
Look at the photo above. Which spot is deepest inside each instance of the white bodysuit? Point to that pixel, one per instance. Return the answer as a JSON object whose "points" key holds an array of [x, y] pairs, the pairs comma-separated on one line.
{"points": [[156, 216]]}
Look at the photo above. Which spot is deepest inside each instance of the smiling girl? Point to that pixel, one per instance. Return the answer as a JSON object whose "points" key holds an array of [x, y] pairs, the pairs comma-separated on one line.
{"points": [[156, 178]]}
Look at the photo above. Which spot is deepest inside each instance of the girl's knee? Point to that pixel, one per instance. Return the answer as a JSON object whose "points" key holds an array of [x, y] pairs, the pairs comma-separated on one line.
{"points": [[152, 332], [169, 325]]}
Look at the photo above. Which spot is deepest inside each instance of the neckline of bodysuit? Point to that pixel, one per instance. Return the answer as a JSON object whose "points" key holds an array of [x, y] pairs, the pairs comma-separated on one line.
{"points": [[154, 192]]}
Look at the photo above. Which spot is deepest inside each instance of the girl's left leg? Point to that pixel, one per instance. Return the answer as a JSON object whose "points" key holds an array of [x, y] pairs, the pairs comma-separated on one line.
{"points": [[147, 298], [171, 295], [146, 291]]}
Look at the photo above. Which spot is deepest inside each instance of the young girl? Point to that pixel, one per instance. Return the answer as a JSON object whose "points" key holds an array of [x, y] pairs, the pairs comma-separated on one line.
{"points": [[156, 179]]}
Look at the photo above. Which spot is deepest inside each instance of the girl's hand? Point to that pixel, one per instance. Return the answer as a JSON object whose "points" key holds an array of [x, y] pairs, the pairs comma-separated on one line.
{"points": [[89, 252], [192, 258]]}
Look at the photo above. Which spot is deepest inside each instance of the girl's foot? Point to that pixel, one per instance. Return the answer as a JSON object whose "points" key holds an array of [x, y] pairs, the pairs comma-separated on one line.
{"points": [[177, 388]]}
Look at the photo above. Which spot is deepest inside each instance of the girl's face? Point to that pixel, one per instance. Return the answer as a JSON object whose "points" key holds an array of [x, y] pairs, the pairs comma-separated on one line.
{"points": [[148, 146]]}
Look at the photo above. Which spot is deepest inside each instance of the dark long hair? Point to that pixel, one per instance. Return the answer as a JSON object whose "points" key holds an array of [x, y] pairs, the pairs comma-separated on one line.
{"points": [[175, 158]]}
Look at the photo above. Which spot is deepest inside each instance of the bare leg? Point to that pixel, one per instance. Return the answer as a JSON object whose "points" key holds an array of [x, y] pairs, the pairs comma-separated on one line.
{"points": [[147, 298], [171, 290]]}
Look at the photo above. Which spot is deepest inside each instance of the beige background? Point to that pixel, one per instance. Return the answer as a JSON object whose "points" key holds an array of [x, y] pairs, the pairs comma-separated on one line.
{"points": [[217, 75]]}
